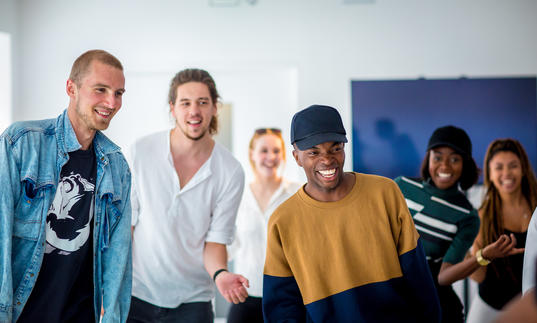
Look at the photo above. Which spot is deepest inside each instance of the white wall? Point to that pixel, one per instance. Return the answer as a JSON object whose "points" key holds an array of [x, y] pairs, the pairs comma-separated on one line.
{"points": [[8, 34], [327, 43], [5, 80]]}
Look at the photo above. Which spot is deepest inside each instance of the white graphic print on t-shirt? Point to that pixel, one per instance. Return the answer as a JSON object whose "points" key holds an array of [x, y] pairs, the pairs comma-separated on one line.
{"points": [[63, 231]]}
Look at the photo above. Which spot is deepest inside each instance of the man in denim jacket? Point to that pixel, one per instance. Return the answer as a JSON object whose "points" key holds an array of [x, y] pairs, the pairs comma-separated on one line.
{"points": [[65, 250]]}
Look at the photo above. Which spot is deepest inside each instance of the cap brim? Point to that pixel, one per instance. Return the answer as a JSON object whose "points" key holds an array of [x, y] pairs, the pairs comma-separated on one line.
{"points": [[447, 144], [320, 138]]}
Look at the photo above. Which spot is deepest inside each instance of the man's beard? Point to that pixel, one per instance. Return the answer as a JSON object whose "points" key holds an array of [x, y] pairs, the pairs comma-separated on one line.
{"points": [[87, 120], [194, 138]]}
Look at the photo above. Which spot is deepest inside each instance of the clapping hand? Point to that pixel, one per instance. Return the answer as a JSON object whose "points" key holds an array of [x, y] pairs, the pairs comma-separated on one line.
{"points": [[503, 247]]}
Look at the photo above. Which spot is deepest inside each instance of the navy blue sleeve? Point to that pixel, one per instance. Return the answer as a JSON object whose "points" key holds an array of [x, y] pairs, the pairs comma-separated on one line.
{"points": [[282, 301], [420, 282]]}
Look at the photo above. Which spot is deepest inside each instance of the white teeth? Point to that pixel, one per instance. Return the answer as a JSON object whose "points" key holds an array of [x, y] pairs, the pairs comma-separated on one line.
{"points": [[194, 122], [444, 175], [508, 181], [103, 113], [327, 172]]}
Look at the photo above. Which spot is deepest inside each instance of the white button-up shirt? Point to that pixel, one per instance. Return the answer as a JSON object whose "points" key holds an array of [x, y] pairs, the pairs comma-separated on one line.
{"points": [[250, 244], [173, 224]]}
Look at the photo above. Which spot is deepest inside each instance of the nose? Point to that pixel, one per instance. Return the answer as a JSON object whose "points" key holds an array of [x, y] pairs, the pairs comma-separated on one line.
{"points": [[112, 101], [326, 158], [194, 109], [272, 155], [445, 163]]}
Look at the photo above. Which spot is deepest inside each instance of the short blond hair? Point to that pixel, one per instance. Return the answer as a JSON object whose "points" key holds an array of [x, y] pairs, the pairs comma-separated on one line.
{"points": [[83, 62]]}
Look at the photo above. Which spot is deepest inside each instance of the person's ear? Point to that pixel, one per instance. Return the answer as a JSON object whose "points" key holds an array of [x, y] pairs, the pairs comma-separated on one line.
{"points": [[71, 88], [295, 155]]}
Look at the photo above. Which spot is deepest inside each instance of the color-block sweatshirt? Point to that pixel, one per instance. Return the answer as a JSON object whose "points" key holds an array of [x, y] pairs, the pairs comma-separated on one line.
{"points": [[355, 260]]}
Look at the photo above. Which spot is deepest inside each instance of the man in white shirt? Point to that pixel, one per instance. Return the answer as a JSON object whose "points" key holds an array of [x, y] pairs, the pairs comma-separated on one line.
{"points": [[186, 192]]}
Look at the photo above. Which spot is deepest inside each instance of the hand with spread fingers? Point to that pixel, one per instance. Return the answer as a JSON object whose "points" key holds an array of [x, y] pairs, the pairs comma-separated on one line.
{"points": [[503, 247], [232, 287]]}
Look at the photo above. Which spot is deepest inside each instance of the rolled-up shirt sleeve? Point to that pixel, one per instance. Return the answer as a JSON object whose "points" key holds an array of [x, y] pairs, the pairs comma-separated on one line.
{"points": [[222, 228]]}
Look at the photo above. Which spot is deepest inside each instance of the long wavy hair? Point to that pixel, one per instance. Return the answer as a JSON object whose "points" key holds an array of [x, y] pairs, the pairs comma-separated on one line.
{"points": [[491, 208]]}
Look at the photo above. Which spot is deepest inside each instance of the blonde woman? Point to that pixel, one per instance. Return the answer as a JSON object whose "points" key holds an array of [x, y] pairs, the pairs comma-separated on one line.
{"points": [[261, 197], [511, 196]]}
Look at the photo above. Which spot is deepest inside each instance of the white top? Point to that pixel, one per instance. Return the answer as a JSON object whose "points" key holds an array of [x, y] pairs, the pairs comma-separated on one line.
{"points": [[530, 255], [250, 244], [173, 224]]}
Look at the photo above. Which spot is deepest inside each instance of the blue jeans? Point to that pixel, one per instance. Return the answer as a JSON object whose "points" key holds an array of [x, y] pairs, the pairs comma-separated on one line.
{"points": [[144, 312]]}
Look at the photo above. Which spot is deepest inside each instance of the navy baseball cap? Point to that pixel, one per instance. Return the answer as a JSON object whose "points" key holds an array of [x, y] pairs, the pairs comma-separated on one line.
{"points": [[315, 125]]}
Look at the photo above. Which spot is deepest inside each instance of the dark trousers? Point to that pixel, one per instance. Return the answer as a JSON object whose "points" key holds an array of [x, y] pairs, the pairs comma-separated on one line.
{"points": [[452, 309], [251, 311], [144, 312]]}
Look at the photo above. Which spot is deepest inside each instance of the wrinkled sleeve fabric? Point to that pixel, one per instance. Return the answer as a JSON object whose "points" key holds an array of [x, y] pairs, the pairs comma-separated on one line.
{"points": [[222, 228], [9, 193], [282, 301], [135, 203], [416, 272], [135, 206], [117, 264], [530, 255]]}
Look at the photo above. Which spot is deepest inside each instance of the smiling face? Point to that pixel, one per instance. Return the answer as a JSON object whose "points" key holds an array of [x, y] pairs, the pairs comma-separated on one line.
{"points": [[97, 98], [267, 155], [505, 172], [445, 167], [323, 165], [193, 109]]}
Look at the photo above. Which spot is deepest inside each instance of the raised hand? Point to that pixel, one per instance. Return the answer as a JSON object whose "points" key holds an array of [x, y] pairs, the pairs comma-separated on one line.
{"points": [[503, 247]]}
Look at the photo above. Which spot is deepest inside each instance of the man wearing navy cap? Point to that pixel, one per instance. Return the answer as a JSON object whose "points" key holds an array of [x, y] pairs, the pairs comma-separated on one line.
{"points": [[344, 247]]}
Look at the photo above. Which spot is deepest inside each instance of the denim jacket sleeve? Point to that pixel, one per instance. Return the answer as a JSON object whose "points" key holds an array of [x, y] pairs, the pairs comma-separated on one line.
{"points": [[9, 193], [117, 264]]}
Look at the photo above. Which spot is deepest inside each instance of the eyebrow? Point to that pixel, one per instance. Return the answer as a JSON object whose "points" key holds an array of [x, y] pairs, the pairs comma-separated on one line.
{"points": [[107, 86], [201, 98], [512, 162]]}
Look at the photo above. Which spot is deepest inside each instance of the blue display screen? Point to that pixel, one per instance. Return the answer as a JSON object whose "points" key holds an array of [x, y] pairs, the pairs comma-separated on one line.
{"points": [[393, 119]]}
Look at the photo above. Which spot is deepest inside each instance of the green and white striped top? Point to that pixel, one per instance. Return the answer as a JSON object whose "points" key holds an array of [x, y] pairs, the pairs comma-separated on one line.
{"points": [[445, 219]]}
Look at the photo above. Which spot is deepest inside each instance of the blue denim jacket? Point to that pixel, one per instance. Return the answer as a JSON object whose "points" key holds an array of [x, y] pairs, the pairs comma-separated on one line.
{"points": [[32, 154]]}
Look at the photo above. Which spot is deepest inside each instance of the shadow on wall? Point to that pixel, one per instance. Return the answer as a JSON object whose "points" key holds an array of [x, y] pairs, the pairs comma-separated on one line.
{"points": [[398, 147], [405, 157]]}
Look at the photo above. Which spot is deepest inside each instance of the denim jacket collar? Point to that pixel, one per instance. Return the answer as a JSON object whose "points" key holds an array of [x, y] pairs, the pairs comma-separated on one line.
{"points": [[67, 142]]}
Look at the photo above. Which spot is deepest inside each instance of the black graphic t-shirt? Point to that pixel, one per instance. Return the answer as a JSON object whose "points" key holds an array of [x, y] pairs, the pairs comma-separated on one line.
{"points": [[64, 288]]}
